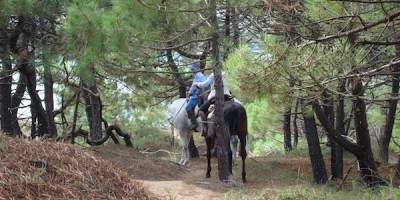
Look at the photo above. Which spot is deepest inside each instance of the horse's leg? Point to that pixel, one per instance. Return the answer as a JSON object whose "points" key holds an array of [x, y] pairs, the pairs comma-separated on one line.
{"points": [[233, 144], [209, 146], [230, 158], [185, 148], [243, 154]]}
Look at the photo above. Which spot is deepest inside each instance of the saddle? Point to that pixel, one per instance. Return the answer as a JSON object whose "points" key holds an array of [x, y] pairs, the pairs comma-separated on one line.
{"points": [[226, 98], [211, 109]]}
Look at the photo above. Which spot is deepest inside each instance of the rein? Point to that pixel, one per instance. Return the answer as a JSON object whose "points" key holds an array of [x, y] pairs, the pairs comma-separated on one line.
{"points": [[205, 92], [178, 112]]}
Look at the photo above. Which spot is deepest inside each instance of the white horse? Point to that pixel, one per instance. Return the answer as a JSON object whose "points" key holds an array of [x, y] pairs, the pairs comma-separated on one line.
{"points": [[177, 116]]}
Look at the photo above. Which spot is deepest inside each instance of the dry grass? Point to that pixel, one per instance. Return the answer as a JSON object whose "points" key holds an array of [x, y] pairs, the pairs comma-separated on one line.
{"points": [[49, 170]]}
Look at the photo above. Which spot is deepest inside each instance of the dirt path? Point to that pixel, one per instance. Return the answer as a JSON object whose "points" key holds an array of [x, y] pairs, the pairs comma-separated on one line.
{"points": [[173, 181], [191, 184], [166, 178]]}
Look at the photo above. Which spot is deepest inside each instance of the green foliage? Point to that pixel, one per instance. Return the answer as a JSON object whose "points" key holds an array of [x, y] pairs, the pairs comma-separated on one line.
{"points": [[264, 127], [146, 134], [270, 144], [145, 124], [308, 191], [247, 82]]}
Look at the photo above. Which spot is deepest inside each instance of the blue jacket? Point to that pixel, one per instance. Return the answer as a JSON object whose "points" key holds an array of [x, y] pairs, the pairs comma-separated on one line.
{"points": [[198, 77]]}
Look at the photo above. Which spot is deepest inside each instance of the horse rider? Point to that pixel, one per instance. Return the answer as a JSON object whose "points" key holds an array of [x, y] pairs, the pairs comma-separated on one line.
{"points": [[194, 95], [211, 97]]}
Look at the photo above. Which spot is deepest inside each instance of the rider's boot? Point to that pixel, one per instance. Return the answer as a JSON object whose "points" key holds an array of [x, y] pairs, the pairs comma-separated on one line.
{"points": [[193, 120]]}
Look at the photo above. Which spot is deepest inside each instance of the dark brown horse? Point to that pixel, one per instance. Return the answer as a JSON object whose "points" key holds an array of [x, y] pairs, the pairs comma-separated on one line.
{"points": [[235, 120]]}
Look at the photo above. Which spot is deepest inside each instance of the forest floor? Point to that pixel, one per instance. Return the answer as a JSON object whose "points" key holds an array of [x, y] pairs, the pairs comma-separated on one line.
{"points": [[42, 169], [173, 181]]}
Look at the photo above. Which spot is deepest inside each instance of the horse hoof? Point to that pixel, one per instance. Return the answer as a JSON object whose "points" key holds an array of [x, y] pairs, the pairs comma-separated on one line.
{"points": [[207, 175]]}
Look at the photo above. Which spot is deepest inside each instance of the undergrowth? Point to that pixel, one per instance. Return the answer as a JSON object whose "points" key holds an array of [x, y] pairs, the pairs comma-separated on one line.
{"points": [[307, 191]]}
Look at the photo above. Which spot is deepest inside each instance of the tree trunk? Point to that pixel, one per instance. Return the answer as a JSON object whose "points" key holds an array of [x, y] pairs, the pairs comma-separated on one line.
{"points": [[365, 157], [336, 168], [398, 167], [33, 122], [5, 87], [48, 97], [385, 138], [15, 102], [227, 26], [314, 149], [287, 133], [93, 112], [29, 71], [286, 129], [178, 77], [295, 127], [358, 149], [337, 161], [222, 140]]}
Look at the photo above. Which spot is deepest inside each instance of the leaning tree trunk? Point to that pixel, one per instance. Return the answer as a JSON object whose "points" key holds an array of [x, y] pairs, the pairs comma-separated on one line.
{"points": [[93, 111], [358, 149], [16, 100], [385, 138], [29, 71], [314, 148], [364, 155]]}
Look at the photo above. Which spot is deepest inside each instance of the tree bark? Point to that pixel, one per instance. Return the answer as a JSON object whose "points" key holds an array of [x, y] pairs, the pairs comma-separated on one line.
{"points": [[177, 76], [314, 148], [16, 100], [48, 97], [93, 111], [385, 138], [365, 156], [295, 127], [222, 139], [5, 87], [286, 129], [29, 71], [398, 167], [337, 171], [359, 149]]}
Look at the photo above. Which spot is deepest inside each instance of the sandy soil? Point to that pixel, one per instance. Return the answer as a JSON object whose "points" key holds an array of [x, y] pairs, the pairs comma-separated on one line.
{"points": [[167, 178], [173, 181]]}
